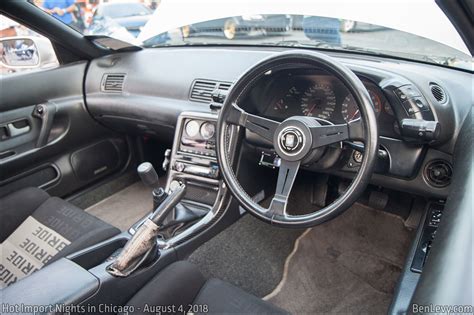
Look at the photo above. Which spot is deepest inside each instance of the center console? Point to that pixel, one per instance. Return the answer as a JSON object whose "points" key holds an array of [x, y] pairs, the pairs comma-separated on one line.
{"points": [[193, 158], [193, 161]]}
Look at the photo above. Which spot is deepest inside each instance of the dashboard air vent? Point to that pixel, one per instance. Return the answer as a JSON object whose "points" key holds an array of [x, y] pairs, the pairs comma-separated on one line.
{"points": [[113, 83], [201, 90], [224, 86], [438, 92], [438, 173]]}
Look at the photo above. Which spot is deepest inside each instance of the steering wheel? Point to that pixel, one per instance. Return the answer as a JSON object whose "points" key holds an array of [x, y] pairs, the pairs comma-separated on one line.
{"points": [[297, 139]]}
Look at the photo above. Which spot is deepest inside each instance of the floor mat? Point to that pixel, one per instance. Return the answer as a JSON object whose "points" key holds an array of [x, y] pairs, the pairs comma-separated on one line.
{"points": [[347, 265], [249, 254], [125, 207], [95, 195]]}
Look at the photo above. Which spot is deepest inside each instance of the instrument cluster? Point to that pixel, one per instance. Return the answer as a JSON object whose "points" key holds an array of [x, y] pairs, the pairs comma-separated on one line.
{"points": [[324, 97]]}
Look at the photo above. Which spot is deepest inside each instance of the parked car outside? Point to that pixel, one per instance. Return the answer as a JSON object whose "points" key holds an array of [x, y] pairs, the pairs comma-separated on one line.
{"points": [[131, 15], [238, 26], [357, 26]]}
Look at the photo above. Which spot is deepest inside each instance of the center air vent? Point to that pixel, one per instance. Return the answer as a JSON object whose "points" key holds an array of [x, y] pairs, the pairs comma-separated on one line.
{"points": [[201, 90], [113, 83], [438, 92], [438, 173]]}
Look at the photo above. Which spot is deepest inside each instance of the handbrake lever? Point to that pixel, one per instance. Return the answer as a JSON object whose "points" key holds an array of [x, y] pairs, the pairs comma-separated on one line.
{"points": [[143, 245]]}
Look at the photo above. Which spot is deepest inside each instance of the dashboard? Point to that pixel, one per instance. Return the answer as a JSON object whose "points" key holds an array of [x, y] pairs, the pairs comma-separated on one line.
{"points": [[157, 85], [319, 95]]}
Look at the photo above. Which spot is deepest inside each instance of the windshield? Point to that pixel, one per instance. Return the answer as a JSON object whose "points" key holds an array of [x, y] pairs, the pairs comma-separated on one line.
{"points": [[411, 29], [119, 10]]}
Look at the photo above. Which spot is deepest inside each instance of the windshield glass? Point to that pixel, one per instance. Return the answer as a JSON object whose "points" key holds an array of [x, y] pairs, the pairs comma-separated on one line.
{"points": [[381, 27], [118, 10]]}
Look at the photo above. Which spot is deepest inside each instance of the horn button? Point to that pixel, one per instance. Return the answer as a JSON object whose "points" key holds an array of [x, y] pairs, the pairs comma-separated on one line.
{"points": [[292, 139]]}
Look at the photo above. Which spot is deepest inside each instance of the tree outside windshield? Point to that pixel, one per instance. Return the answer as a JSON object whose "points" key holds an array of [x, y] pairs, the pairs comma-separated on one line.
{"points": [[125, 20]]}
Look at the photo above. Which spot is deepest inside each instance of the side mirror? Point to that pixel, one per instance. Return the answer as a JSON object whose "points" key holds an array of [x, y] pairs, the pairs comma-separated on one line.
{"points": [[18, 53]]}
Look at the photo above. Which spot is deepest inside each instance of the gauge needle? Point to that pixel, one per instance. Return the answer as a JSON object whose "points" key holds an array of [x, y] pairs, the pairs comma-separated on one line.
{"points": [[355, 114], [312, 108]]}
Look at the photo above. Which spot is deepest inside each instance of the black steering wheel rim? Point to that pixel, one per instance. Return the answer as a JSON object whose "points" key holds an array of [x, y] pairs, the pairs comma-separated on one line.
{"points": [[364, 129]]}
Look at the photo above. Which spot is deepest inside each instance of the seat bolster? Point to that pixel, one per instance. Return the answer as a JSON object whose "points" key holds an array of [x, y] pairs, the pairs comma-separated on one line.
{"points": [[88, 239], [17, 206], [223, 298], [176, 285], [77, 226]]}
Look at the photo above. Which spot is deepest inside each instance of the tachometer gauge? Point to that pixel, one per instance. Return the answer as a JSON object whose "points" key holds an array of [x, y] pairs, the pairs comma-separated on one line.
{"points": [[350, 110], [319, 101], [208, 130], [388, 109], [192, 128], [376, 101]]}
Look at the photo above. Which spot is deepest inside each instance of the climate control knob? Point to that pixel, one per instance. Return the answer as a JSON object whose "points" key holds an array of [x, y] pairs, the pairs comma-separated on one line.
{"points": [[178, 166]]}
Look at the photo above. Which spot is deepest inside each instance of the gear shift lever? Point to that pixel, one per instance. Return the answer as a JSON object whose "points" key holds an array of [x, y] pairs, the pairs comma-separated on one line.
{"points": [[150, 178], [143, 244]]}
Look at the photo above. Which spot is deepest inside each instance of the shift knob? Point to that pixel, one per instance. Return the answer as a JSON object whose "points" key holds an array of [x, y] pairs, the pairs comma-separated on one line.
{"points": [[148, 175]]}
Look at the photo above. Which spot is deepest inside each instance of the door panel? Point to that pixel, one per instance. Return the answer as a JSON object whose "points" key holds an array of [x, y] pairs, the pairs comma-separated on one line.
{"points": [[45, 126]]}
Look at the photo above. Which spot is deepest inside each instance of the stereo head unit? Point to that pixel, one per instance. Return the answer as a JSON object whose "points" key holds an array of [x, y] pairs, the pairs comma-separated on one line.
{"points": [[198, 137]]}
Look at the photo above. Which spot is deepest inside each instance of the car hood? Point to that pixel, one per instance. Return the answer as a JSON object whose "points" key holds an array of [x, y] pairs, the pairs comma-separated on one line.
{"points": [[133, 21]]}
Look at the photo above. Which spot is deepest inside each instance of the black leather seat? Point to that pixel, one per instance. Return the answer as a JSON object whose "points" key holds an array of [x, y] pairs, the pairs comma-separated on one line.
{"points": [[181, 288], [37, 229]]}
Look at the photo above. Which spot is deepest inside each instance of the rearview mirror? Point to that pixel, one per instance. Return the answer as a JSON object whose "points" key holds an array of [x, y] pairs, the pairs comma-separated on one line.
{"points": [[26, 53]]}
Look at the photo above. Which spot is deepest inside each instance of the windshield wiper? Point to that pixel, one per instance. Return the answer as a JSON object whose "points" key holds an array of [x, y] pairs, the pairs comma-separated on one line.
{"points": [[324, 45], [295, 43]]}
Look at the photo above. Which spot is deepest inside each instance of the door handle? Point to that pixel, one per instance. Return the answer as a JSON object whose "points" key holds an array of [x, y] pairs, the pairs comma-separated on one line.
{"points": [[14, 131], [44, 112]]}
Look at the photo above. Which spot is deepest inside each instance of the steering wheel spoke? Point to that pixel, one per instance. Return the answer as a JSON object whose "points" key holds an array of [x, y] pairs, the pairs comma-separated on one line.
{"points": [[286, 178], [356, 130], [264, 127], [324, 135]]}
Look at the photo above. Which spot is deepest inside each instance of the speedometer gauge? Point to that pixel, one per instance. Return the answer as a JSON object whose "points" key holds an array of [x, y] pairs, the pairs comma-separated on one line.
{"points": [[319, 101]]}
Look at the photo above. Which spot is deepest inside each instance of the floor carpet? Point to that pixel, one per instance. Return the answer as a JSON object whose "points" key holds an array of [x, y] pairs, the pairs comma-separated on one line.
{"points": [[349, 265], [125, 207], [249, 254], [103, 191]]}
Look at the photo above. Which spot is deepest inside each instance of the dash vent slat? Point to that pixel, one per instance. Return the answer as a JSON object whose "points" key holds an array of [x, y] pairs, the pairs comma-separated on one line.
{"points": [[438, 93], [113, 83], [201, 90]]}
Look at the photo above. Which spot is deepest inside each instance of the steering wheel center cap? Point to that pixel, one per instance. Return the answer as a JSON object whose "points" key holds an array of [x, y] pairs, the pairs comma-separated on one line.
{"points": [[291, 140]]}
